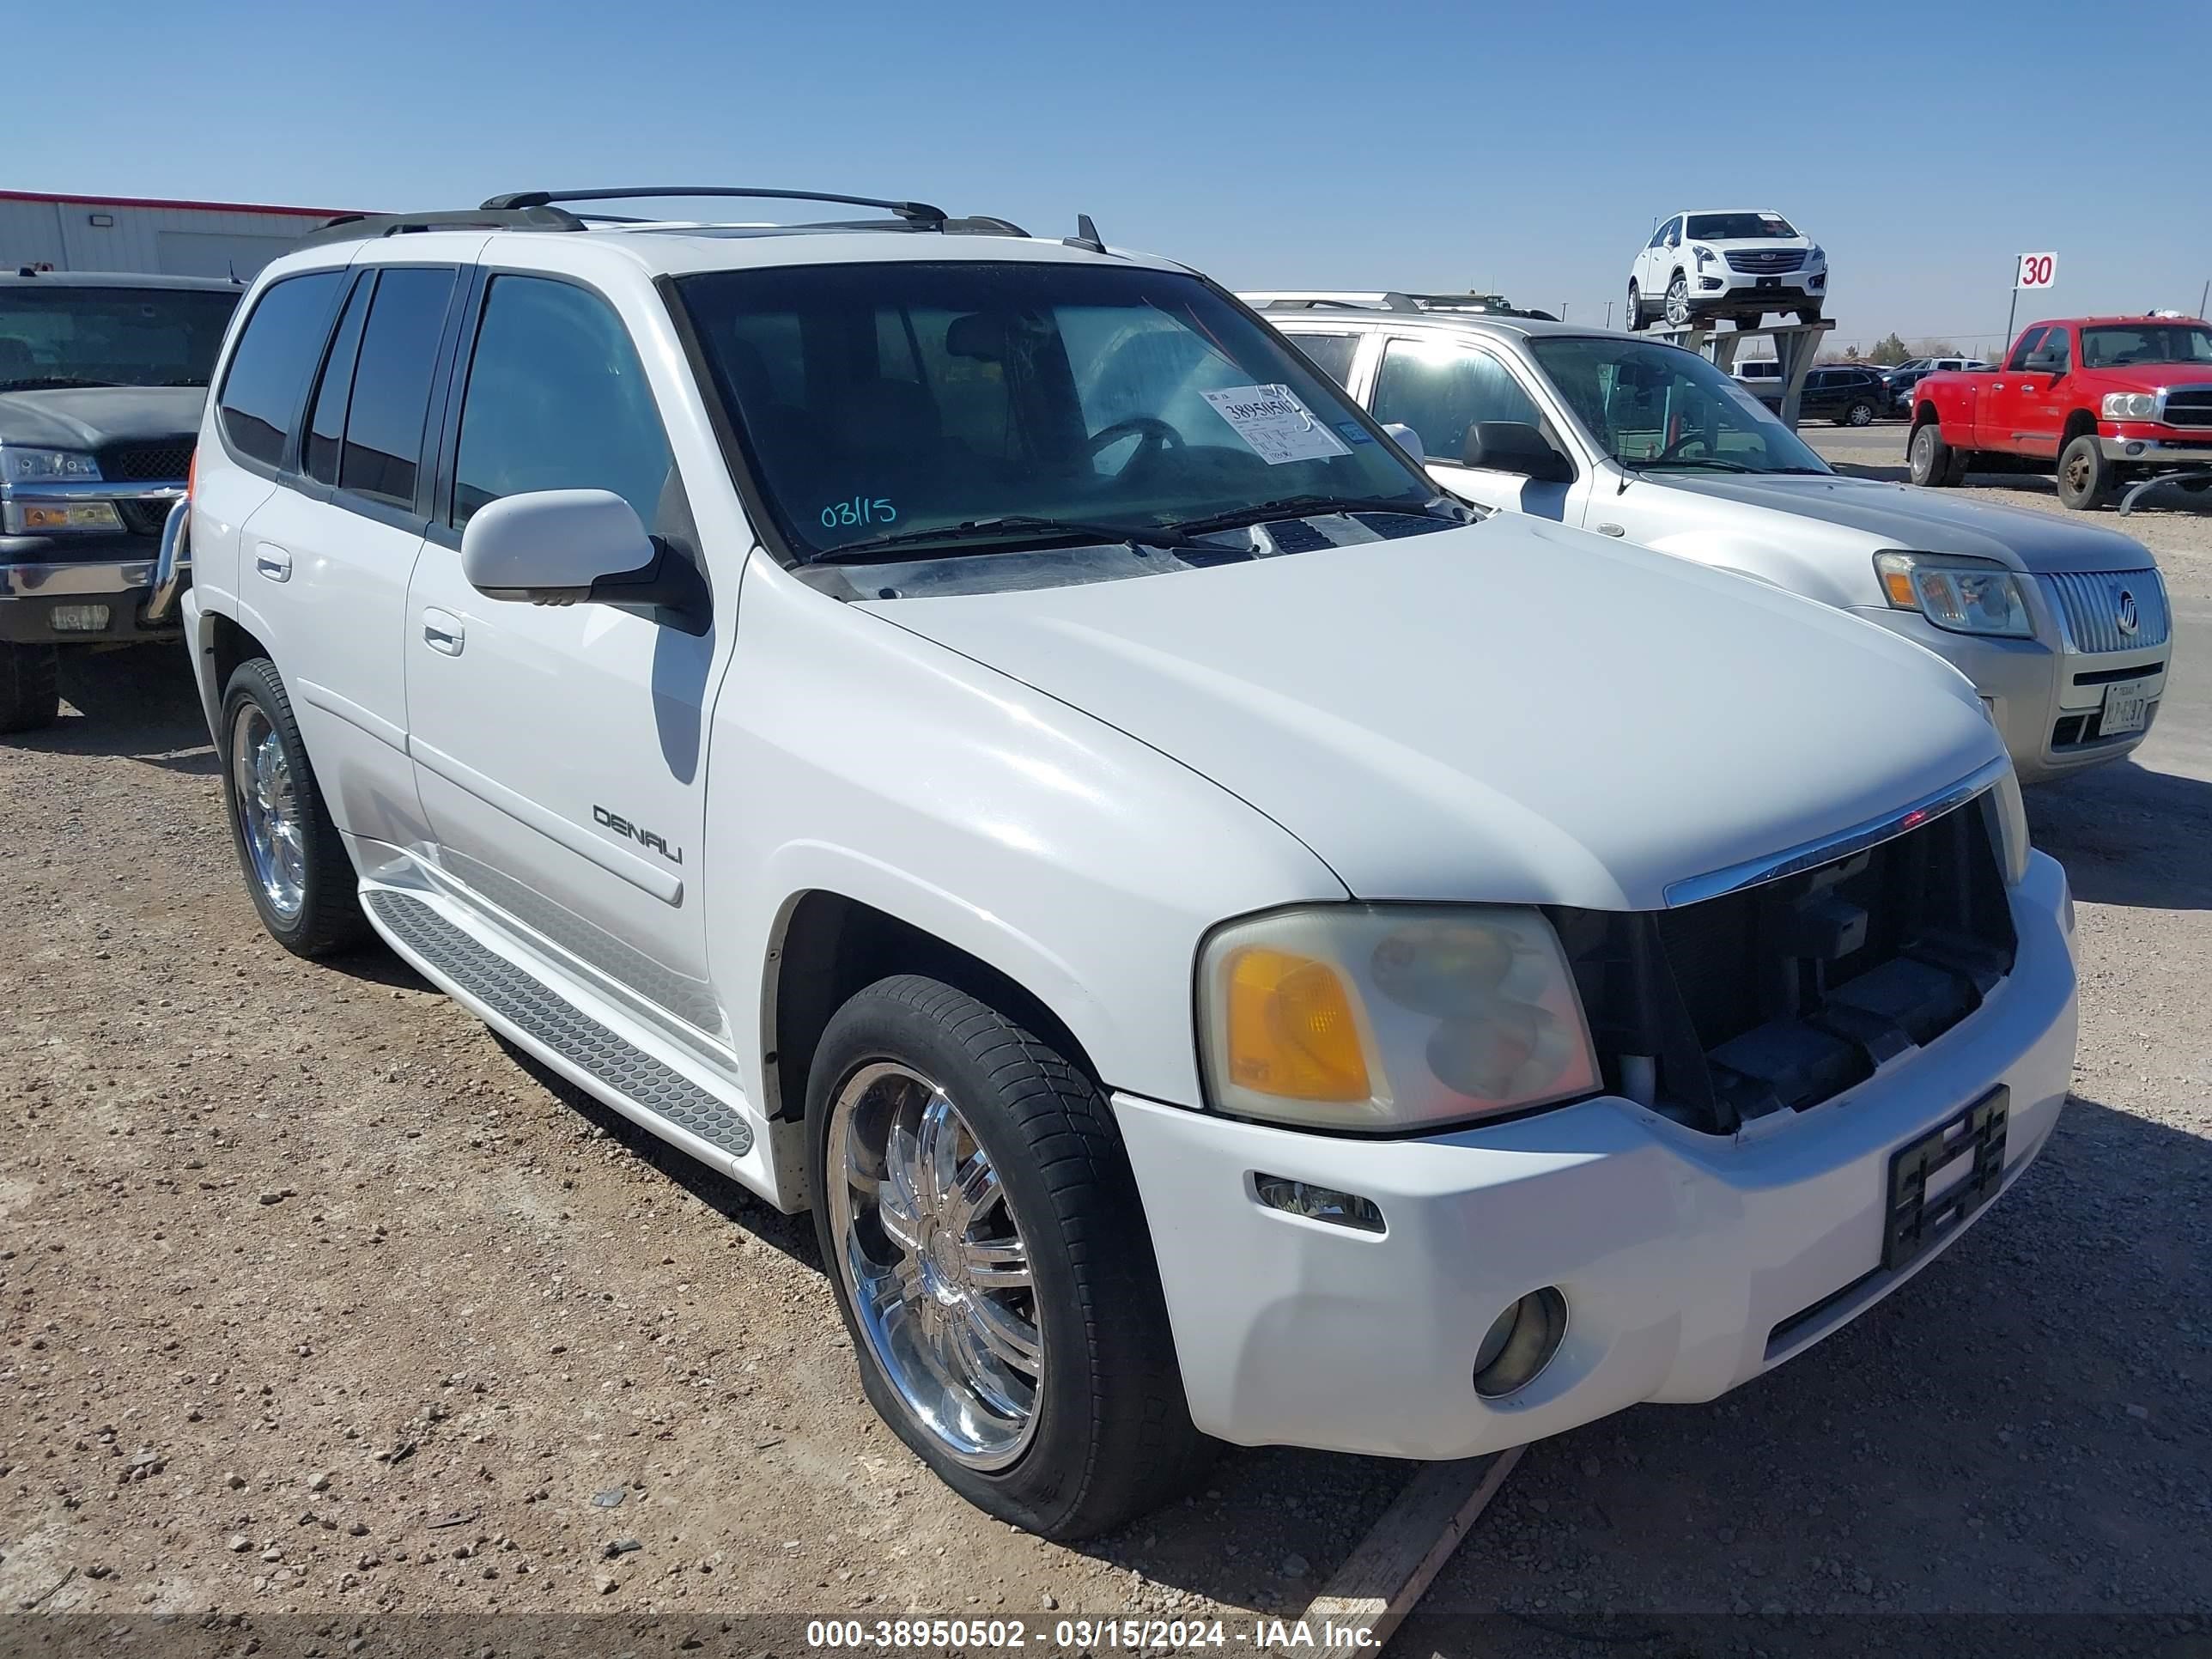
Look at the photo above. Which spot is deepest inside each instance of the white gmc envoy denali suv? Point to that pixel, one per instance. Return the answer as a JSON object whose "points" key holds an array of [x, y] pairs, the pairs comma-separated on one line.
{"points": [[977, 736]]}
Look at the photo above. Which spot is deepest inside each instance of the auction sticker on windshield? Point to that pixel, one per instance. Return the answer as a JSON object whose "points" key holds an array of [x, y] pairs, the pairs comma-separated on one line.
{"points": [[1276, 423]]}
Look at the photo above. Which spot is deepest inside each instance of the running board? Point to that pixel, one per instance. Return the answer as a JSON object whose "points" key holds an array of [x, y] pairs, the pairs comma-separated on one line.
{"points": [[601, 1060]]}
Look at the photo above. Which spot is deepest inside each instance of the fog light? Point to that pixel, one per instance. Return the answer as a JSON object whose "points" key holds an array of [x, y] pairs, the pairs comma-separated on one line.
{"points": [[78, 618], [1318, 1203], [1520, 1343], [1709, 282], [2136, 448]]}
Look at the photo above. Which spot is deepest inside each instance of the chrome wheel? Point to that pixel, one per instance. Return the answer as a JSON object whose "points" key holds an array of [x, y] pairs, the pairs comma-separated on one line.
{"points": [[934, 1263], [1678, 302], [1635, 307], [270, 818]]}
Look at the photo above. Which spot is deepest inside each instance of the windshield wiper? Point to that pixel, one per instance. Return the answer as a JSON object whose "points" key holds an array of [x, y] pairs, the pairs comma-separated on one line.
{"points": [[1291, 507], [1014, 524], [49, 382], [1700, 462]]}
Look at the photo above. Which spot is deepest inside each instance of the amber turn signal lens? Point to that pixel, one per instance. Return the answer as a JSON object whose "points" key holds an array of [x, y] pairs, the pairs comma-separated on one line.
{"points": [[1898, 584], [1291, 1030]]}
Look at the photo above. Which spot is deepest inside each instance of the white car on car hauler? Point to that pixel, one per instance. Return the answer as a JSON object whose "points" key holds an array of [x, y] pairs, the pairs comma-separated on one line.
{"points": [[973, 735], [1737, 263], [2063, 629]]}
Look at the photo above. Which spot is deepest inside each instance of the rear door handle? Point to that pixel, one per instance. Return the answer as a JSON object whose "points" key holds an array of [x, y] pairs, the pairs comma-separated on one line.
{"points": [[273, 561], [442, 631]]}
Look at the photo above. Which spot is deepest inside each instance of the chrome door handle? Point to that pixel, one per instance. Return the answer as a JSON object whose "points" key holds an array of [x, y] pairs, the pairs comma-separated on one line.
{"points": [[1611, 530], [442, 631], [273, 562]]}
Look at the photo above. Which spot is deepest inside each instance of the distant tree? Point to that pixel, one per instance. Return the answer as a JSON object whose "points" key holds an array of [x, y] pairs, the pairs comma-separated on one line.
{"points": [[1891, 350], [1938, 348]]}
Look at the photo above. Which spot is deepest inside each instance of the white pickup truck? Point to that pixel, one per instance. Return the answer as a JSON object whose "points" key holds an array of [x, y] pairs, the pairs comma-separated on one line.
{"points": [[973, 735]]}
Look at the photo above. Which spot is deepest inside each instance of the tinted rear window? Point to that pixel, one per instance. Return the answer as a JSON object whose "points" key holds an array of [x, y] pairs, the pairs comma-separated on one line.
{"points": [[392, 388], [268, 376], [1332, 353]]}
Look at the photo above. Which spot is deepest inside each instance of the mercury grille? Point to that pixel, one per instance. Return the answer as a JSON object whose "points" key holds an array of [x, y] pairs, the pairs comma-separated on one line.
{"points": [[2094, 606], [1781, 996], [2189, 405], [1767, 261], [164, 461]]}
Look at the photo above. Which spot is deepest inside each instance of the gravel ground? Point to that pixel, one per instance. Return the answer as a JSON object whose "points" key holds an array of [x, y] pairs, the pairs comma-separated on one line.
{"points": [[319, 1300]]}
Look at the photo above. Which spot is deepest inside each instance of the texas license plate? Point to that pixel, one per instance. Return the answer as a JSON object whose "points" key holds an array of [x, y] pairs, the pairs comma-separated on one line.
{"points": [[1941, 1179], [2127, 705]]}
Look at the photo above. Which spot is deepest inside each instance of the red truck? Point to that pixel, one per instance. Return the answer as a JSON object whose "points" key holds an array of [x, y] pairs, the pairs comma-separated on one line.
{"points": [[2110, 401]]}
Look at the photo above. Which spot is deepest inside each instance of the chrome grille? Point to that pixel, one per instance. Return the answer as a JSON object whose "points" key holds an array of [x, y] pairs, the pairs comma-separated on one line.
{"points": [[2092, 607], [1765, 262], [2189, 405]]}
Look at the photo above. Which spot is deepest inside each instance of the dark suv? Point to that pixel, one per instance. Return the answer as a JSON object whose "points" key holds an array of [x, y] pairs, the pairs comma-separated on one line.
{"points": [[1849, 397], [102, 381]]}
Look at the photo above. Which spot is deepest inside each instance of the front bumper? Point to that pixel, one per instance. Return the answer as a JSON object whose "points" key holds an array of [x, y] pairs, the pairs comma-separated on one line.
{"points": [[2043, 700], [1690, 1263], [30, 589], [2152, 448], [1739, 287]]}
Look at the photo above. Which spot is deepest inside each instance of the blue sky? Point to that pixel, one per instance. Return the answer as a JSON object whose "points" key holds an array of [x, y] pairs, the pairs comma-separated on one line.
{"points": [[1526, 147]]}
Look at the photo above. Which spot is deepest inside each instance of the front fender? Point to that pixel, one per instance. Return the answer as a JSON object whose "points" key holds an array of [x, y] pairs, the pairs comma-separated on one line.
{"points": [[854, 757]]}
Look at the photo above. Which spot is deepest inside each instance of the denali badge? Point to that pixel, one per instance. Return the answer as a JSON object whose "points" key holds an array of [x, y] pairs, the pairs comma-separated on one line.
{"points": [[622, 826], [2128, 620]]}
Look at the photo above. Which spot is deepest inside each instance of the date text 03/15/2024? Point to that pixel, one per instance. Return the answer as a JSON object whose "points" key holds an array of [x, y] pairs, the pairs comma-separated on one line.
{"points": [[1073, 1634]]}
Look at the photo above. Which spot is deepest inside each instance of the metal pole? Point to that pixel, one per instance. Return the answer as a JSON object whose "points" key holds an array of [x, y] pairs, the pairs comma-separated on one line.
{"points": [[2205, 298], [2011, 310], [1608, 313]]}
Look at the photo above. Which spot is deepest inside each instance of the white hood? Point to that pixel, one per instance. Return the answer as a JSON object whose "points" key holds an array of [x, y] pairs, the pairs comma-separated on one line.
{"points": [[1512, 712]]}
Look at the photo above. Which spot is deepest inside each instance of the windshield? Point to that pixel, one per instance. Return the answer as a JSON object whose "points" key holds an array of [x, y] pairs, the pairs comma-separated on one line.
{"points": [[1659, 405], [57, 336], [897, 399], [1737, 227], [2146, 342]]}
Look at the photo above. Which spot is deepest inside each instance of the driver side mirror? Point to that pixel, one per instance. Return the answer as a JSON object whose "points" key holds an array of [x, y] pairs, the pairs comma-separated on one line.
{"points": [[1409, 440], [1516, 446], [2045, 362], [579, 546]]}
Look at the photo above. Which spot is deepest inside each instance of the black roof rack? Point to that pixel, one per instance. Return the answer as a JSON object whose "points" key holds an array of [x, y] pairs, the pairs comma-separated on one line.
{"points": [[918, 214], [356, 227]]}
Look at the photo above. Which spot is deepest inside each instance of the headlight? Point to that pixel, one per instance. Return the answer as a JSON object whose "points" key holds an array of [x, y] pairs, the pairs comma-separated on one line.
{"points": [[1704, 255], [2012, 828], [45, 465], [2130, 406], [1381, 1016], [1815, 253], [1961, 595]]}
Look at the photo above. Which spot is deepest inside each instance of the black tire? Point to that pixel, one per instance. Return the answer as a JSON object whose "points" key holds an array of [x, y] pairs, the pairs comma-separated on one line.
{"points": [[2086, 478], [30, 686], [1861, 413], [328, 919], [1677, 306], [1934, 464], [1635, 307], [1112, 1436]]}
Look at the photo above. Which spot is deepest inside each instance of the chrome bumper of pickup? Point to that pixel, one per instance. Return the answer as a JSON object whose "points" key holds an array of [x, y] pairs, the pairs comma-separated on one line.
{"points": [[2157, 452], [50, 581]]}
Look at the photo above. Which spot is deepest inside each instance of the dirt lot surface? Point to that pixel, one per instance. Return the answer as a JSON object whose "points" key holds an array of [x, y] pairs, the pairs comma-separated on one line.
{"points": [[318, 1299]]}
